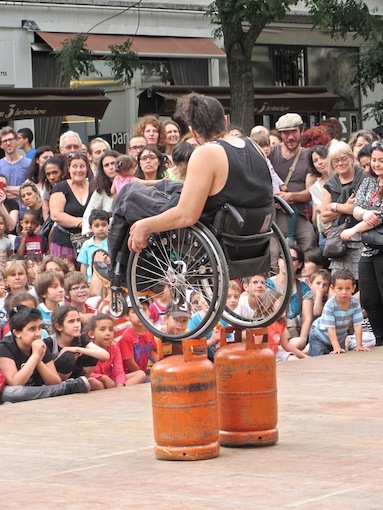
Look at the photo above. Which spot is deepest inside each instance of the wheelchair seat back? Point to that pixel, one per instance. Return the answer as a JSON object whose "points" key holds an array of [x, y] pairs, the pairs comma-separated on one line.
{"points": [[246, 247]]}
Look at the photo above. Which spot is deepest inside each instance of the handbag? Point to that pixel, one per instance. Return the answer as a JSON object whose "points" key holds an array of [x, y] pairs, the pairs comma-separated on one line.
{"points": [[77, 241], [334, 246], [373, 238]]}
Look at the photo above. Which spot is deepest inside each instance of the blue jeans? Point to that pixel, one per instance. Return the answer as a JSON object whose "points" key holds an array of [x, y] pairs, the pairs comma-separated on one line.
{"points": [[22, 393], [316, 345]]}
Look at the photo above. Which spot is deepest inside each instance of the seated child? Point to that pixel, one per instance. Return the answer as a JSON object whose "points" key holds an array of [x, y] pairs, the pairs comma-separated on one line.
{"points": [[29, 243], [157, 308], [50, 291], [125, 166], [6, 247], [27, 364], [248, 305], [77, 293], [74, 354], [16, 299], [319, 283], [176, 323], [329, 331], [137, 345], [110, 373], [278, 335], [98, 225]]}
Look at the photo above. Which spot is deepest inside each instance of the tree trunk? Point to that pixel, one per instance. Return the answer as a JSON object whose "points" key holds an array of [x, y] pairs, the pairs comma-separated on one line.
{"points": [[239, 46]]}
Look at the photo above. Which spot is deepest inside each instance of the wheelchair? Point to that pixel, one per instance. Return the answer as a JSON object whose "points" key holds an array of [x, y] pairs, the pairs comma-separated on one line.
{"points": [[202, 259]]}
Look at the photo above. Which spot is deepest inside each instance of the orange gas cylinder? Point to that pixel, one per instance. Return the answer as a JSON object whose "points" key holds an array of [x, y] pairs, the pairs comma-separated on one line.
{"points": [[184, 400], [246, 391]]}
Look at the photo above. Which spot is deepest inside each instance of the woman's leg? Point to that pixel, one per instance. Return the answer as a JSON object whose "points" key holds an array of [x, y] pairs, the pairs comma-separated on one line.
{"points": [[15, 394], [371, 292]]}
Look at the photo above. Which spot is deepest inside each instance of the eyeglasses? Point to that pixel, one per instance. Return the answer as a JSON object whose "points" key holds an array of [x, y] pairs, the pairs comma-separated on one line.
{"points": [[376, 144], [72, 155], [75, 147], [79, 288], [343, 159], [137, 147], [146, 158], [8, 140]]}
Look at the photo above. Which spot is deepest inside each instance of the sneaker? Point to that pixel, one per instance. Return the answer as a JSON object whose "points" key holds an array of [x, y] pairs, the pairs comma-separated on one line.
{"points": [[79, 385], [105, 271]]}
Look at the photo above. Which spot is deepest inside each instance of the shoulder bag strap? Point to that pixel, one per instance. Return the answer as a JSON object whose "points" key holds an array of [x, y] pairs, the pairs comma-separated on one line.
{"points": [[258, 148], [299, 293], [292, 168]]}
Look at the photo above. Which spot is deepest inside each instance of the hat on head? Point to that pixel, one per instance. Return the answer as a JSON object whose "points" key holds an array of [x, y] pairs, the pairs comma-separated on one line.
{"points": [[141, 299], [288, 122], [178, 309]]}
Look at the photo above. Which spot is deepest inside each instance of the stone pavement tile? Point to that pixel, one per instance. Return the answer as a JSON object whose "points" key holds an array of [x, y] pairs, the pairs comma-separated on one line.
{"points": [[96, 451]]}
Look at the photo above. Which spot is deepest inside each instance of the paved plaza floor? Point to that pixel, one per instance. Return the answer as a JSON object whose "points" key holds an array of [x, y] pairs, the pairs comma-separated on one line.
{"points": [[95, 451]]}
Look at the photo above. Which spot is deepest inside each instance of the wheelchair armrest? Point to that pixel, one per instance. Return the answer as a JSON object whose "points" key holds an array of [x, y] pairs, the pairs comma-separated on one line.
{"points": [[237, 217], [285, 206]]}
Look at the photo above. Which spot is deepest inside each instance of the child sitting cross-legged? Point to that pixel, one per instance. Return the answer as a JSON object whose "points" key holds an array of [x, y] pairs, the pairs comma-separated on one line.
{"points": [[137, 345], [110, 373], [74, 354], [50, 291], [329, 331], [27, 364], [77, 293]]}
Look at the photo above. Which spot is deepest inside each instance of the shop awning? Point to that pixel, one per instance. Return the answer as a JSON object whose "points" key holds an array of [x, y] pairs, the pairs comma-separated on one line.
{"points": [[149, 46], [161, 100], [26, 103]]}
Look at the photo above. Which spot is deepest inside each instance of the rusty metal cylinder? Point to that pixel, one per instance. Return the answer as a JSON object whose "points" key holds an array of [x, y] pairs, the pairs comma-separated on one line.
{"points": [[184, 403], [246, 391]]}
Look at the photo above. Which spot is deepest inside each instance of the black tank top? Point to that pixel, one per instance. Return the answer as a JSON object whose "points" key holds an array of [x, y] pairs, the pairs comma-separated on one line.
{"points": [[248, 182]]}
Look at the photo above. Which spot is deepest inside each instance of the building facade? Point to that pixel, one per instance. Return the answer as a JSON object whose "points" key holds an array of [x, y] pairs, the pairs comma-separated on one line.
{"points": [[174, 42]]}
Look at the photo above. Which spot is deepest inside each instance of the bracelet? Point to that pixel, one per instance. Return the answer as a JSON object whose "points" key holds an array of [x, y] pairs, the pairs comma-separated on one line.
{"points": [[335, 206]]}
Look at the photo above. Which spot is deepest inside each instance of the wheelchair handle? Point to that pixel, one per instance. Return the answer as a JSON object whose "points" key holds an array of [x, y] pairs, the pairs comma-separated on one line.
{"points": [[285, 206], [237, 217]]}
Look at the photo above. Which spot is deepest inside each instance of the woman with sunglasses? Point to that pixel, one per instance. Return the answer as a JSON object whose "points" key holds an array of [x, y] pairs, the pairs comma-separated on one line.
{"points": [[67, 205], [338, 200], [368, 209]]}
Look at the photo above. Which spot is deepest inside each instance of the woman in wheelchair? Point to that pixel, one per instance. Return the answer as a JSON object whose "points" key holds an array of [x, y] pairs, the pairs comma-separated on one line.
{"points": [[223, 170]]}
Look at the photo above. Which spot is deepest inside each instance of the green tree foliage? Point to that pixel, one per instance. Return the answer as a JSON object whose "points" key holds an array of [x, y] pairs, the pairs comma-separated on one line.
{"points": [[77, 60], [240, 22]]}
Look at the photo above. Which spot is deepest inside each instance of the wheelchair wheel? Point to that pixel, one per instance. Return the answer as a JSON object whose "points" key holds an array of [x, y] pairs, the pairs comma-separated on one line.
{"points": [[273, 301], [118, 307], [187, 260]]}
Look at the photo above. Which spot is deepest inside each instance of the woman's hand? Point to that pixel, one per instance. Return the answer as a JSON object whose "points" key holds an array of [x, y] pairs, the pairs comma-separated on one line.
{"points": [[372, 218], [139, 233]]}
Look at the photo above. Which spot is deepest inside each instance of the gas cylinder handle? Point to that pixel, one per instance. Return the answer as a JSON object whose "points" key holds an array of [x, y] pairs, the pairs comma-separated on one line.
{"points": [[256, 338], [194, 349]]}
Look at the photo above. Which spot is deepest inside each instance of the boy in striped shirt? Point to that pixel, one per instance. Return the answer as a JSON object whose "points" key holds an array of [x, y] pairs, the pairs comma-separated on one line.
{"points": [[329, 331]]}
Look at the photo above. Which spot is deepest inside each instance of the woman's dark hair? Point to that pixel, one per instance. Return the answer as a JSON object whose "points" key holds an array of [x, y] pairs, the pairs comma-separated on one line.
{"points": [[315, 255], [55, 160], [21, 316], [203, 113], [322, 152], [300, 254], [182, 152], [161, 167], [102, 181], [365, 151], [60, 313], [34, 169]]}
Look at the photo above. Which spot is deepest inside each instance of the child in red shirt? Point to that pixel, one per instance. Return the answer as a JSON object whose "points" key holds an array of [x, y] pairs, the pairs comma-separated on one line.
{"points": [[137, 345], [109, 373]]}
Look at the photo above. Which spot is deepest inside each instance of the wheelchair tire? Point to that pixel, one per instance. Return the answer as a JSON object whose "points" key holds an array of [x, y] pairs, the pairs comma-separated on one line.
{"points": [[120, 309], [188, 260], [268, 316]]}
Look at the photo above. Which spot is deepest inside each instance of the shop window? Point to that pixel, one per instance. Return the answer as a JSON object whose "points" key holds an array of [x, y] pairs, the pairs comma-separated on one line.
{"points": [[289, 65]]}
